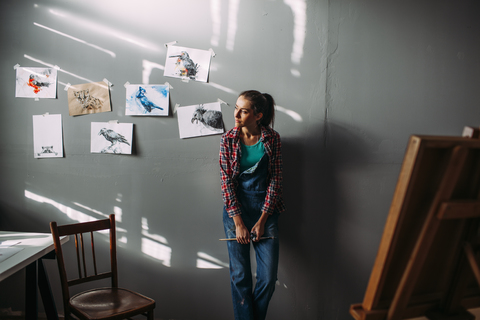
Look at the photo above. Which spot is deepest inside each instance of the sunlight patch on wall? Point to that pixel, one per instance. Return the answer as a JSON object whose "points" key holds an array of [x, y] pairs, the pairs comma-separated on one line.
{"points": [[216, 12], [111, 53], [69, 212], [205, 261], [109, 32], [295, 116], [148, 67], [232, 22], [299, 9], [59, 69], [155, 245], [75, 214], [90, 209]]}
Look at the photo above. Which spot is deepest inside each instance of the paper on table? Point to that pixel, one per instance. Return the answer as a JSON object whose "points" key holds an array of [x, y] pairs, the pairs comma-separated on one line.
{"points": [[7, 249]]}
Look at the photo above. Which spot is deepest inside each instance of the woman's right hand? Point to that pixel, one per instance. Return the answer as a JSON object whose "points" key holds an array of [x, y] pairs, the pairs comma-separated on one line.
{"points": [[242, 233]]}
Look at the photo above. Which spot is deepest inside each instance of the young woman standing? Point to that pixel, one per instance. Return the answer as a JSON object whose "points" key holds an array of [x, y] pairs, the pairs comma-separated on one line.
{"points": [[251, 172]]}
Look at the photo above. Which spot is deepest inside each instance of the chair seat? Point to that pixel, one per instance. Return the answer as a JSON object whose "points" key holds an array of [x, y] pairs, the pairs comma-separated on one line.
{"points": [[109, 303]]}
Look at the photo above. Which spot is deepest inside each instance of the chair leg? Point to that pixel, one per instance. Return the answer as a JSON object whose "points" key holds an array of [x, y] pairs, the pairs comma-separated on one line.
{"points": [[150, 315]]}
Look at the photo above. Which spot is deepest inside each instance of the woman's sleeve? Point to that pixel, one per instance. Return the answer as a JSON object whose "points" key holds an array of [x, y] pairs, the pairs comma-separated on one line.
{"points": [[228, 183], [275, 187]]}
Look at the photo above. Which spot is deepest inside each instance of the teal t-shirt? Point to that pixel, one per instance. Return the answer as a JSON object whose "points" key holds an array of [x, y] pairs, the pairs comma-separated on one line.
{"points": [[251, 155]]}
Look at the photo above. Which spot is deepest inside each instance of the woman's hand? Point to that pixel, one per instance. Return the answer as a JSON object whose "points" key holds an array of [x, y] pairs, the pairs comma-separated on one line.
{"points": [[243, 236], [259, 227]]}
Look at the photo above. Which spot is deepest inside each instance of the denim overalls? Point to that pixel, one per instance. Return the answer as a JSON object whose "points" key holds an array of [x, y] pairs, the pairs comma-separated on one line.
{"points": [[249, 304]]}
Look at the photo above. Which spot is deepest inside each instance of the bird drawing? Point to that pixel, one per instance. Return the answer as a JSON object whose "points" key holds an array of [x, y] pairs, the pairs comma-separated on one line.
{"points": [[211, 119], [144, 101], [188, 68], [35, 82], [114, 138]]}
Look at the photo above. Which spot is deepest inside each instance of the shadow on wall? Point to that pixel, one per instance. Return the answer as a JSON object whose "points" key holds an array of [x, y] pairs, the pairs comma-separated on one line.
{"points": [[312, 261]]}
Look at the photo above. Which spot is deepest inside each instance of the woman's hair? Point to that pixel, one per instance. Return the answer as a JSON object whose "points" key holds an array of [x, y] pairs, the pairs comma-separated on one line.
{"points": [[261, 103]]}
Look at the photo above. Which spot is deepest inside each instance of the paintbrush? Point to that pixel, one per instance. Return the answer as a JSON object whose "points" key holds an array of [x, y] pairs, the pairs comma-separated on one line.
{"points": [[231, 239]]}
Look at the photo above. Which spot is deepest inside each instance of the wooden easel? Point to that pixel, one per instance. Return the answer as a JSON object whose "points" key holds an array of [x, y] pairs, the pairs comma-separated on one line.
{"points": [[427, 253]]}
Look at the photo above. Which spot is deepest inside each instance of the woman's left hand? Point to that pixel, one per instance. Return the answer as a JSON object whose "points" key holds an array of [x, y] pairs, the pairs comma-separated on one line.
{"points": [[259, 227]]}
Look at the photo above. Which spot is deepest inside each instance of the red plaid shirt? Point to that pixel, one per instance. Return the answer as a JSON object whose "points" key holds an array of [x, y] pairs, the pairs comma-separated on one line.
{"points": [[230, 153]]}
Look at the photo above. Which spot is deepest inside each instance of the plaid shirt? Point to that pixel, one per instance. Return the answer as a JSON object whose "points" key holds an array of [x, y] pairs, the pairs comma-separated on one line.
{"points": [[230, 153]]}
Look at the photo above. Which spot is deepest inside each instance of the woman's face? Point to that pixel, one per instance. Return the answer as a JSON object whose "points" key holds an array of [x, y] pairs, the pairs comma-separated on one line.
{"points": [[244, 114]]}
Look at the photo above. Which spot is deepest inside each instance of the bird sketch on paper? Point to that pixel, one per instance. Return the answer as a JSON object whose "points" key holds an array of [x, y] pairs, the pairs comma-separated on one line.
{"points": [[115, 140], [185, 65], [200, 120], [211, 119], [145, 102], [36, 82]]}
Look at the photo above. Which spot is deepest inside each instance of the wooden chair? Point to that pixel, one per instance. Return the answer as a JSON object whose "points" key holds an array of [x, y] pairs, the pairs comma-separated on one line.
{"points": [[99, 303]]}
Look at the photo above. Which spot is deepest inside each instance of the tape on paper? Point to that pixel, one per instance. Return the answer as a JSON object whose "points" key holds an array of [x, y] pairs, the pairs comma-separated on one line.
{"points": [[107, 82], [68, 85], [175, 108], [170, 43], [221, 101], [126, 84], [169, 85], [212, 52], [113, 121], [16, 66]]}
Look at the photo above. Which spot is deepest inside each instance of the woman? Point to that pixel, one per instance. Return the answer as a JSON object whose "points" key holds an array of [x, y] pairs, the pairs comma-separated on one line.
{"points": [[251, 171]]}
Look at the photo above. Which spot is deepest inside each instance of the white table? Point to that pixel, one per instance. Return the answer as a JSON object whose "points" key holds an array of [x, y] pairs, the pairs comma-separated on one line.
{"points": [[20, 250]]}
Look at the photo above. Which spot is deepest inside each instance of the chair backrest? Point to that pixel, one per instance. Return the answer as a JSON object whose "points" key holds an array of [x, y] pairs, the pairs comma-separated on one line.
{"points": [[84, 264]]}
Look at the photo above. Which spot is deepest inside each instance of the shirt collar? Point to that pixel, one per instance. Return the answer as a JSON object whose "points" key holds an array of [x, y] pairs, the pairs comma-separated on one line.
{"points": [[235, 132]]}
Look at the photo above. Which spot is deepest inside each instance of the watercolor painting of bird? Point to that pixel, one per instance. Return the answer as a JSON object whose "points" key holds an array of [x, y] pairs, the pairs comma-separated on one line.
{"points": [[187, 67], [145, 102], [35, 82]]}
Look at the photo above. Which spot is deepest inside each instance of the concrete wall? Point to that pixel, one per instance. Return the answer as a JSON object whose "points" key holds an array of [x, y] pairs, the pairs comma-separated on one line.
{"points": [[352, 79]]}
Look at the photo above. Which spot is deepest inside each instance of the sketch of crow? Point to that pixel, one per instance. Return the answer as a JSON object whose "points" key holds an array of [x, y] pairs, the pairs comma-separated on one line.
{"points": [[146, 103], [114, 138], [190, 68], [212, 119]]}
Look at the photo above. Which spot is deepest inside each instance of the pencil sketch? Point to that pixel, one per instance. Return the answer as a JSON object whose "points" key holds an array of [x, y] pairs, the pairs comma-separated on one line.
{"points": [[200, 120], [187, 63], [111, 138], [147, 100], [47, 150], [209, 118], [36, 83], [47, 136], [88, 98]]}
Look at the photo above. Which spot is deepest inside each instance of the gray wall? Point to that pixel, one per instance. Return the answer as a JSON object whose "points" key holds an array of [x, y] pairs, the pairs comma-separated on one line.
{"points": [[354, 79]]}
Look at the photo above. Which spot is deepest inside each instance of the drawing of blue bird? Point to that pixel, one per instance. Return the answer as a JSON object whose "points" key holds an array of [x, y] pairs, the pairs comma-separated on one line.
{"points": [[146, 103], [190, 68]]}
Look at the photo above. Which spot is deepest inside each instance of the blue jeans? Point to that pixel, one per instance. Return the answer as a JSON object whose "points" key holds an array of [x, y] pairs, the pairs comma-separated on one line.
{"points": [[252, 303]]}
